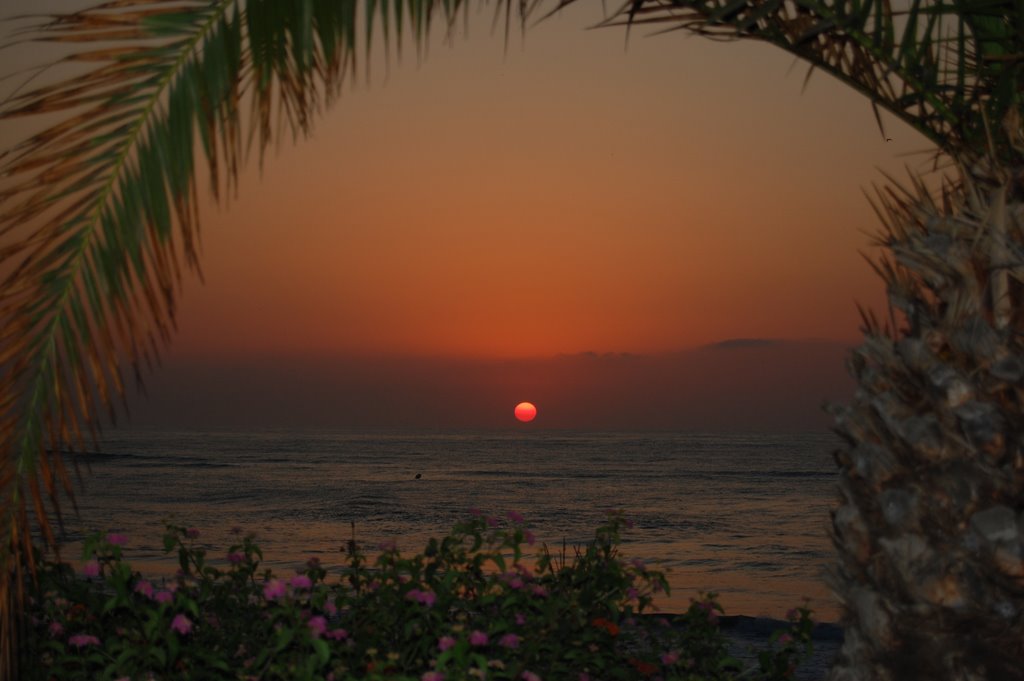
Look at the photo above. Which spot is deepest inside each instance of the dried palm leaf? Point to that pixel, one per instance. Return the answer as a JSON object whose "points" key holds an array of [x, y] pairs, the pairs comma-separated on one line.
{"points": [[98, 209]]}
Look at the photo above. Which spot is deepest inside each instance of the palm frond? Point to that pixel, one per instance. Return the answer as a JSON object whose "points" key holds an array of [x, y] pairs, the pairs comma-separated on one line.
{"points": [[98, 213], [952, 69]]}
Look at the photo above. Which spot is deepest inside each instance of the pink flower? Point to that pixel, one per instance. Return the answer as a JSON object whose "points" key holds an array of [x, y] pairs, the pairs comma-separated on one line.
{"points": [[492, 522], [273, 590], [477, 638], [427, 598], [514, 516], [82, 640], [56, 629], [530, 539], [520, 619], [181, 624], [117, 539], [639, 565], [475, 511], [300, 582], [317, 626], [792, 614], [145, 588], [784, 639], [192, 533], [445, 642], [337, 634], [387, 546], [330, 608], [670, 657], [432, 676], [529, 676], [515, 583], [539, 591], [632, 594], [235, 557], [709, 608], [91, 569], [163, 597], [584, 676], [509, 641]]}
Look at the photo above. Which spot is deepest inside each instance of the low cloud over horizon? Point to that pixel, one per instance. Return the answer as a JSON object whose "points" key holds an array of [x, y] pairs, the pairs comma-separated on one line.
{"points": [[746, 384]]}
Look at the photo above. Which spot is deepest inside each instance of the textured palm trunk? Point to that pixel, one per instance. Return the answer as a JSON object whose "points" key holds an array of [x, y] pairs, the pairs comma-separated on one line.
{"points": [[931, 510]]}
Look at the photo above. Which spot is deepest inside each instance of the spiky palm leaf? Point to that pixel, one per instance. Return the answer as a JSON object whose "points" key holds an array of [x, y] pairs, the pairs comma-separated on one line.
{"points": [[952, 69], [98, 215], [95, 199], [930, 522], [931, 569]]}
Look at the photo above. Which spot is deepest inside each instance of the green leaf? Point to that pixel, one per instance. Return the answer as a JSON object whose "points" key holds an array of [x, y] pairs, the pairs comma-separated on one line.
{"points": [[283, 639], [323, 651], [947, 58]]}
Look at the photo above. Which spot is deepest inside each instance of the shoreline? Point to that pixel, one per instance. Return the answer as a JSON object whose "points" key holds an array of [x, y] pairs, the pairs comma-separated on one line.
{"points": [[744, 632]]}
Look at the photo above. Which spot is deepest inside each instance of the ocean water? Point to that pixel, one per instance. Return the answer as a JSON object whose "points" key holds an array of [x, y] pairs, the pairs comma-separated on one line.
{"points": [[744, 515]]}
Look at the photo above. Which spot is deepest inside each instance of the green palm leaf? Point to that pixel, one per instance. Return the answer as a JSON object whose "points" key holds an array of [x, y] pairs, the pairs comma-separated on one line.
{"points": [[98, 210], [949, 68], [921, 466]]}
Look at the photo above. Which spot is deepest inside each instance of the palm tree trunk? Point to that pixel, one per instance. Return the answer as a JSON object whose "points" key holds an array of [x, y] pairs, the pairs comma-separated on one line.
{"points": [[931, 511]]}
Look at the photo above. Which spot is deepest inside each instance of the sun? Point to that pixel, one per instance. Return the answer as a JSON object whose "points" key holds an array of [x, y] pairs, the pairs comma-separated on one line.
{"points": [[526, 412]]}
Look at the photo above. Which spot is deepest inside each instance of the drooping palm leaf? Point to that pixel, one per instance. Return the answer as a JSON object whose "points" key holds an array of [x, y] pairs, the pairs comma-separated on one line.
{"points": [[929, 465], [952, 69], [97, 212], [98, 215]]}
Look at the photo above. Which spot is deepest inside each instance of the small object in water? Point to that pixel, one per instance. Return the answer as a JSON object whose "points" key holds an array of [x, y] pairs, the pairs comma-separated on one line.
{"points": [[419, 475]]}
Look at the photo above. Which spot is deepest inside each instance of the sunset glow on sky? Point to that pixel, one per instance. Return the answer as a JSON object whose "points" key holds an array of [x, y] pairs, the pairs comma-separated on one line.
{"points": [[569, 195]]}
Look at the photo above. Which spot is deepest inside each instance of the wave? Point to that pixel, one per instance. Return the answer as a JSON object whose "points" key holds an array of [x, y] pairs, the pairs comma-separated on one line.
{"points": [[766, 474]]}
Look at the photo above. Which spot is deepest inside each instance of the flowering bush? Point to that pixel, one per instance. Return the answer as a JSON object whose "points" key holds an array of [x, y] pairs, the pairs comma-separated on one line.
{"points": [[471, 605]]}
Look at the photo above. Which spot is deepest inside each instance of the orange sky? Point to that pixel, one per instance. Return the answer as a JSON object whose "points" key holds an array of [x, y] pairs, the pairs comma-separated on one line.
{"points": [[568, 196], [571, 195]]}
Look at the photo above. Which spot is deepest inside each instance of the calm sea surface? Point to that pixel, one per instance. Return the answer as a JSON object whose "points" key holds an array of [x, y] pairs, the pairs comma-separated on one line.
{"points": [[741, 514]]}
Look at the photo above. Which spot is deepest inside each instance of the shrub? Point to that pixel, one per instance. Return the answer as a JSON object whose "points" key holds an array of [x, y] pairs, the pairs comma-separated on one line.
{"points": [[471, 605]]}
